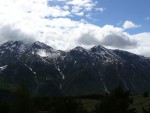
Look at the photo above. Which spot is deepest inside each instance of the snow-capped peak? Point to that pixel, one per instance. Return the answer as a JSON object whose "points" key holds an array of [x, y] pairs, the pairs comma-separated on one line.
{"points": [[36, 46], [15, 47], [104, 53], [98, 48]]}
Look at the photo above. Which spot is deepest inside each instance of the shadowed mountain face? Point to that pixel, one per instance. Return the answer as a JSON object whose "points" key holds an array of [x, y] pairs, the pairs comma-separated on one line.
{"points": [[46, 71]]}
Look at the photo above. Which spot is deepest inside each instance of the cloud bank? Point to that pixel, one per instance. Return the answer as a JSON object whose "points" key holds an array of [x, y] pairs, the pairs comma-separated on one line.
{"points": [[53, 22], [8, 33]]}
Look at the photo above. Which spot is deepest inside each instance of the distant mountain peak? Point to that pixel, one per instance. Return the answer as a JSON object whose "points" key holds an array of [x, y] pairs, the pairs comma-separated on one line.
{"points": [[41, 45], [79, 48], [98, 48]]}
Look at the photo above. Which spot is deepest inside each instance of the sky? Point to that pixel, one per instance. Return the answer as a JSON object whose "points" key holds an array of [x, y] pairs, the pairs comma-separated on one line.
{"points": [[65, 24]]}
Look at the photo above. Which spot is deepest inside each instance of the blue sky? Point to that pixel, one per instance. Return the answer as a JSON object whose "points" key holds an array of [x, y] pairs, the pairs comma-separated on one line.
{"points": [[116, 12], [65, 24], [122, 10]]}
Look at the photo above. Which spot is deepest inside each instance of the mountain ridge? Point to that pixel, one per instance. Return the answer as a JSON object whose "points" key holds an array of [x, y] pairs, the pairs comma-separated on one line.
{"points": [[79, 71]]}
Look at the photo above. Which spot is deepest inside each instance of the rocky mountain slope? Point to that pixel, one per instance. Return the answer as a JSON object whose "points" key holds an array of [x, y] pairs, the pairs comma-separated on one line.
{"points": [[79, 71]]}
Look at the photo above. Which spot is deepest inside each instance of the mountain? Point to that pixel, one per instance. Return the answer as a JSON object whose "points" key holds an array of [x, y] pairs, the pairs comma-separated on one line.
{"points": [[79, 71]]}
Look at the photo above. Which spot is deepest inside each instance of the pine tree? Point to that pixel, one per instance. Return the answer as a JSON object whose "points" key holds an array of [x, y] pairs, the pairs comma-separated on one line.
{"points": [[117, 101], [22, 102]]}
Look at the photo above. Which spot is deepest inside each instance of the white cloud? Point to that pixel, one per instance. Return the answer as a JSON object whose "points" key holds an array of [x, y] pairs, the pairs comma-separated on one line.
{"points": [[143, 40], [9, 33], [100, 9], [33, 20], [78, 7], [108, 36], [87, 4], [130, 25]]}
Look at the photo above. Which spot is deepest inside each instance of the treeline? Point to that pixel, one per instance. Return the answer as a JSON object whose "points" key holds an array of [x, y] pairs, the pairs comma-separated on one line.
{"points": [[116, 101]]}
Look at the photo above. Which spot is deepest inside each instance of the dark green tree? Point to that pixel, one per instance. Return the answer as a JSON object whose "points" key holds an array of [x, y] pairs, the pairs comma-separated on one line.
{"points": [[22, 102], [4, 107], [59, 105], [117, 101], [145, 111], [145, 94], [67, 105]]}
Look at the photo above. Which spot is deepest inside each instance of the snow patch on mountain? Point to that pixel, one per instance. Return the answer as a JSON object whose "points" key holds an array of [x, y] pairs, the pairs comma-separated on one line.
{"points": [[63, 76], [3, 68], [30, 69], [23, 48], [42, 53], [54, 55], [75, 62]]}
